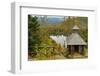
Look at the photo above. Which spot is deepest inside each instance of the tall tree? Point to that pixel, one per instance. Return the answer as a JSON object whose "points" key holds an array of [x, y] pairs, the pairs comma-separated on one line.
{"points": [[33, 33]]}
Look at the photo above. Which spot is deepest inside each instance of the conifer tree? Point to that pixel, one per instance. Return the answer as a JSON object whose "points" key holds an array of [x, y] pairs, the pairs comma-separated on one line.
{"points": [[33, 33]]}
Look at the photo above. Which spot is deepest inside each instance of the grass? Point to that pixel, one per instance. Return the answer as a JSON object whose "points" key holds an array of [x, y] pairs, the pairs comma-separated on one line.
{"points": [[61, 55]]}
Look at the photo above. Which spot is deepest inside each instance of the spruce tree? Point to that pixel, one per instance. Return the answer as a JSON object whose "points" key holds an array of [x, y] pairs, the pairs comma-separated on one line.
{"points": [[33, 33]]}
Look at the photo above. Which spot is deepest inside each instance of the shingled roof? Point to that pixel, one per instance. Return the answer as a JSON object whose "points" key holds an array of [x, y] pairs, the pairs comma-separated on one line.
{"points": [[75, 38]]}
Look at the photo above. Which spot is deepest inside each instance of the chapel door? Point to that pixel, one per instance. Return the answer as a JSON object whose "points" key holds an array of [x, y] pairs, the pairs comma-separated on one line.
{"points": [[76, 48]]}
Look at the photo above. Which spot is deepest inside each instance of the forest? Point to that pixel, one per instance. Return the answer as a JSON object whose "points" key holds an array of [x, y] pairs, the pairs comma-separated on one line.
{"points": [[41, 46]]}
